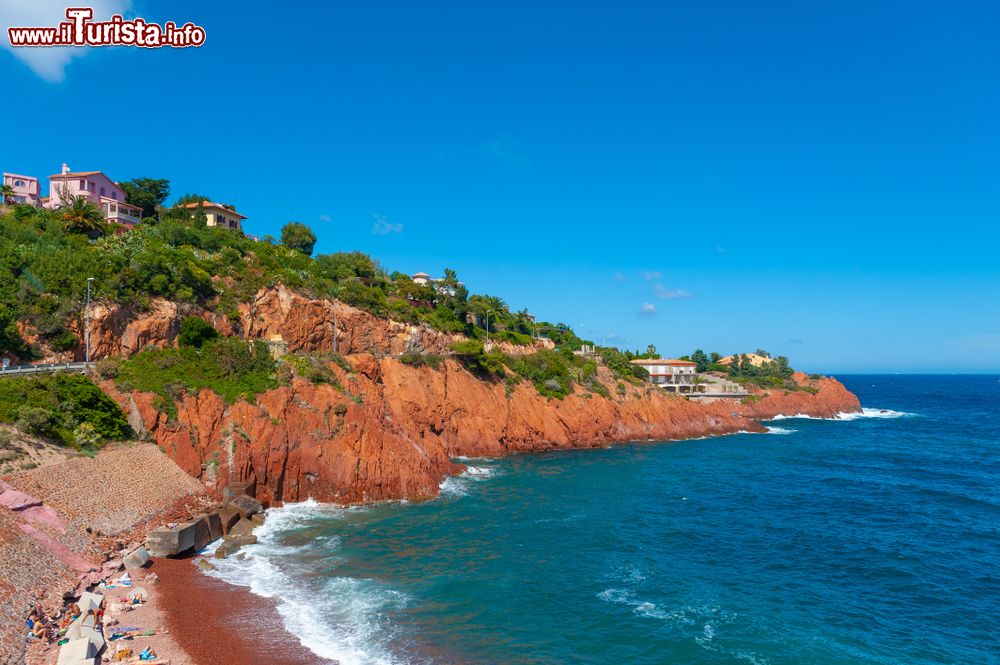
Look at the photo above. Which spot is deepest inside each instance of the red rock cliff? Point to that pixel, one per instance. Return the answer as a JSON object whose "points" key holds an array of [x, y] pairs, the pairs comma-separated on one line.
{"points": [[393, 430], [305, 324]]}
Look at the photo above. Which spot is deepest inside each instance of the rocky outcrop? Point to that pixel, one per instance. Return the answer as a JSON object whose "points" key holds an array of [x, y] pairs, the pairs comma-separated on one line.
{"points": [[305, 324], [393, 430]]}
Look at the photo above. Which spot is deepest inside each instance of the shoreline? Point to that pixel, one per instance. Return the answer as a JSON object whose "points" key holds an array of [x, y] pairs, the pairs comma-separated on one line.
{"points": [[203, 620], [218, 623], [200, 607]]}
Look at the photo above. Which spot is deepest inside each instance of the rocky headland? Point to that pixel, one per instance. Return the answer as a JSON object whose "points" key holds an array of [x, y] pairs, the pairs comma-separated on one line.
{"points": [[381, 430], [393, 431]]}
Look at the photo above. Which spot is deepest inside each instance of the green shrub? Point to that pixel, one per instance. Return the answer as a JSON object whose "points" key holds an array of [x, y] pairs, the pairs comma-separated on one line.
{"points": [[512, 337], [108, 368], [340, 361], [52, 407], [548, 370], [195, 332], [596, 386], [315, 367], [63, 341], [232, 368], [420, 359], [320, 373], [621, 367], [471, 354], [86, 436], [37, 421]]}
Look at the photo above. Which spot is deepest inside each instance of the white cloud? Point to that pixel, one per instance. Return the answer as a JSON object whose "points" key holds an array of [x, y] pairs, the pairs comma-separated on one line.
{"points": [[50, 63], [651, 275], [325, 218], [647, 309], [619, 278], [383, 226], [664, 293]]}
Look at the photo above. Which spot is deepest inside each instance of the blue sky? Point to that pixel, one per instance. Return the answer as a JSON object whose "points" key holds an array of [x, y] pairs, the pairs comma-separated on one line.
{"points": [[823, 183]]}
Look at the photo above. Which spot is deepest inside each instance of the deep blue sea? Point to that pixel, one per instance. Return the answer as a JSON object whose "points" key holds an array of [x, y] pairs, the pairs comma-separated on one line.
{"points": [[872, 539]]}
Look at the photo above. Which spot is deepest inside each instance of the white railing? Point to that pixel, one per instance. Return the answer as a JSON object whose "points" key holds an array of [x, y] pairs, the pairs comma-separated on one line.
{"points": [[39, 369]]}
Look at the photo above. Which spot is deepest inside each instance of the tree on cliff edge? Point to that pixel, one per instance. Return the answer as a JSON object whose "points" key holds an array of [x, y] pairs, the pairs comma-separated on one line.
{"points": [[147, 193], [298, 236]]}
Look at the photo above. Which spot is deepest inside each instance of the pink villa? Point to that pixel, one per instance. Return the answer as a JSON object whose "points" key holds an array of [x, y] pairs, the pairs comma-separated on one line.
{"points": [[97, 188], [25, 188]]}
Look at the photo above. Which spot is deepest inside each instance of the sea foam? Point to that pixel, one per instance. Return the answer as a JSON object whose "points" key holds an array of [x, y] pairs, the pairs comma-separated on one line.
{"points": [[335, 617], [864, 413], [455, 486]]}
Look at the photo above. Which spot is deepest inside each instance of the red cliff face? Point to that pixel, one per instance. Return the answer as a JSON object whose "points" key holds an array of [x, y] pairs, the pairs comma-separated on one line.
{"points": [[305, 324], [392, 431]]}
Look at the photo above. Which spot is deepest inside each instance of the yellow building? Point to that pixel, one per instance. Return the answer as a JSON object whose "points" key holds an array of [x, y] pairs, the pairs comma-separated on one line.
{"points": [[754, 359], [217, 214]]}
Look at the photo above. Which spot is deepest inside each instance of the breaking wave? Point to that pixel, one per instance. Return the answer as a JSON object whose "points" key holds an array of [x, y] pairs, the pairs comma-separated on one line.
{"points": [[454, 486], [339, 618], [864, 413]]}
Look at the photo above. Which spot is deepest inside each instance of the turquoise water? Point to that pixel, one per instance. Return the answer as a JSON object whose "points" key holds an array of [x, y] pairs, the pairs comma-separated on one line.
{"points": [[874, 539]]}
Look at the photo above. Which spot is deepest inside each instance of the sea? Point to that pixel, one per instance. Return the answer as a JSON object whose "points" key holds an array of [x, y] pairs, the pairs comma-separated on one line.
{"points": [[869, 538]]}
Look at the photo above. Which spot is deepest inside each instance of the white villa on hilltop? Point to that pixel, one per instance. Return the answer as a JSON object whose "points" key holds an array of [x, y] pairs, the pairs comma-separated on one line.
{"points": [[423, 279], [674, 375]]}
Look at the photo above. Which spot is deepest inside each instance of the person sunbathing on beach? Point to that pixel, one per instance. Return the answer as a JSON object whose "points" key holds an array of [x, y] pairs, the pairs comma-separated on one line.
{"points": [[36, 625], [147, 654]]}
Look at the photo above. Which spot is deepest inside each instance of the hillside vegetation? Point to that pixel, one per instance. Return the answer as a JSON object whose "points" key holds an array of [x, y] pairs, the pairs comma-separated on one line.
{"points": [[64, 408], [45, 260]]}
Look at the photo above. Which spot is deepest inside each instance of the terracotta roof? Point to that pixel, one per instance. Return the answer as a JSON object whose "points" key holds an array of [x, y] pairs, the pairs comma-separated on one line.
{"points": [[219, 206], [664, 361], [77, 174], [420, 274]]}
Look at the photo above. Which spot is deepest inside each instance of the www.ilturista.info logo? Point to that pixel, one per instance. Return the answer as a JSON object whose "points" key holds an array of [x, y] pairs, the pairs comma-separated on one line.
{"points": [[80, 30]]}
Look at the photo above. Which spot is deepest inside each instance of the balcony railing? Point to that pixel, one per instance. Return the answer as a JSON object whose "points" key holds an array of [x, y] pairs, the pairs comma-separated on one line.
{"points": [[116, 211]]}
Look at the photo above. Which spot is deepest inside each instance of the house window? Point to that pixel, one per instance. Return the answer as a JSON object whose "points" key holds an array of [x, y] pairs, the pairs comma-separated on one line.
{"points": [[19, 183], [83, 185], [114, 195]]}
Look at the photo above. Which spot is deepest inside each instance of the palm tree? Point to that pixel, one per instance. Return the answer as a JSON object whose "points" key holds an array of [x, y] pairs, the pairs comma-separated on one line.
{"points": [[81, 215], [496, 304], [8, 193]]}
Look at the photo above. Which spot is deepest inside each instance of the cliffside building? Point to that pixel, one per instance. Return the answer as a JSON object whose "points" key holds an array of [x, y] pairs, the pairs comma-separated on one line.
{"points": [[25, 189], [219, 215], [96, 188], [674, 375]]}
